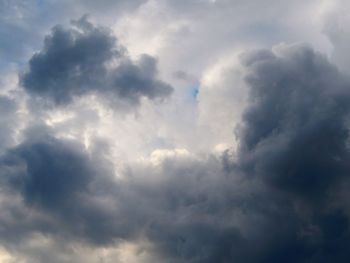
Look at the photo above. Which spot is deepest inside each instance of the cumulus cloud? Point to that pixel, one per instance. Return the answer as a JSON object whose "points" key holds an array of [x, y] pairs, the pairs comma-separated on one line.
{"points": [[295, 133], [247, 162], [295, 139], [85, 59], [292, 157], [55, 176], [74, 195]]}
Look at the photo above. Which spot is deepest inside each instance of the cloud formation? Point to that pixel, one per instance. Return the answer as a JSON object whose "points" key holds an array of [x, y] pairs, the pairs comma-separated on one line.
{"points": [[245, 162], [294, 138], [291, 162], [295, 133], [85, 59]]}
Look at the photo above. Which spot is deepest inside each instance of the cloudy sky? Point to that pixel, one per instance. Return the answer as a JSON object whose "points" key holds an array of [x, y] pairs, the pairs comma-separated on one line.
{"points": [[180, 131]]}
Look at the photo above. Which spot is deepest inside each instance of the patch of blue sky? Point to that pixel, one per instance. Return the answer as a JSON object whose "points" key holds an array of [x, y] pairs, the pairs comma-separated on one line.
{"points": [[194, 90]]}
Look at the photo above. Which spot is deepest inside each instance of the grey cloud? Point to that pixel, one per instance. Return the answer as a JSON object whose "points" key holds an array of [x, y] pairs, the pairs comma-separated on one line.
{"points": [[78, 61], [66, 186], [278, 202], [184, 76], [55, 172], [79, 201], [185, 207], [8, 122], [133, 81], [295, 133], [295, 139]]}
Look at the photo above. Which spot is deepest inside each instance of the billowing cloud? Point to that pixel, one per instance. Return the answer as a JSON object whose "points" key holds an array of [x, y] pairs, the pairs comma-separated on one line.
{"points": [[296, 131], [85, 59], [56, 177], [294, 138], [292, 159], [247, 161]]}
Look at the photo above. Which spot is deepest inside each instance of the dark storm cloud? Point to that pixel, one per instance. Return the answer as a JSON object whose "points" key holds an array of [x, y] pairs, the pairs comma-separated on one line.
{"points": [[278, 202], [86, 59], [295, 140], [185, 207], [296, 131], [55, 172], [63, 182]]}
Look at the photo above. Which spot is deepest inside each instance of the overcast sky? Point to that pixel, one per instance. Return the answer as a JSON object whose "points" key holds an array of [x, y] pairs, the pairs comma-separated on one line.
{"points": [[180, 131]]}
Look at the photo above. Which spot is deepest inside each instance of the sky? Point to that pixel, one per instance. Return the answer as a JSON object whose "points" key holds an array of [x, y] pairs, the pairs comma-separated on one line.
{"points": [[188, 131]]}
